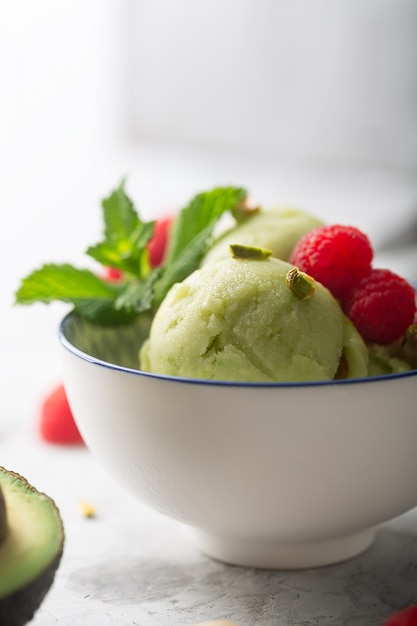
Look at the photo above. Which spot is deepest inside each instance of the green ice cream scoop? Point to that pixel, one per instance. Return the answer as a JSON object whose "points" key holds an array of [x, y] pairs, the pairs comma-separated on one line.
{"points": [[275, 229], [238, 320]]}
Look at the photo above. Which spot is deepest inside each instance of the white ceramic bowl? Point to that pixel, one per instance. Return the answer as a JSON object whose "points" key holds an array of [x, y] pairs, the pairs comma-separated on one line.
{"points": [[267, 475]]}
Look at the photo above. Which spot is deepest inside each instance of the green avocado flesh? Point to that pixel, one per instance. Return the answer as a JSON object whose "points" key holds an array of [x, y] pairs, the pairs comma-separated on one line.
{"points": [[30, 550]]}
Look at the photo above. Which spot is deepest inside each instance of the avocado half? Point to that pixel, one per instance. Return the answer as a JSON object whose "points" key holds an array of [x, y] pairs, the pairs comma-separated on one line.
{"points": [[31, 546]]}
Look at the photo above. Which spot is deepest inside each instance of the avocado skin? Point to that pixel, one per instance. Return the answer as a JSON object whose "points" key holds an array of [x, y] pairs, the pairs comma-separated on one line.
{"points": [[19, 607], [3, 517]]}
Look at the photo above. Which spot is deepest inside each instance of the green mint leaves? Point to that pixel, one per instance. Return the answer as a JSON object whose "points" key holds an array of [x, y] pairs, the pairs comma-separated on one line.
{"points": [[191, 233], [126, 236], [124, 247], [91, 296]]}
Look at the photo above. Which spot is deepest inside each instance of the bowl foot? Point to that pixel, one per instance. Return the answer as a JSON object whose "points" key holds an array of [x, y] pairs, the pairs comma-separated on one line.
{"points": [[249, 552]]}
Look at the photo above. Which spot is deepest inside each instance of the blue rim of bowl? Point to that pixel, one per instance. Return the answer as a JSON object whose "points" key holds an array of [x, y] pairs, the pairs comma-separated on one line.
{"points": [[218, 383]]}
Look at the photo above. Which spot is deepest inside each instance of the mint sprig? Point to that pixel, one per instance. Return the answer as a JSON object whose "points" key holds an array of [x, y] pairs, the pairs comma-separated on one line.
{"points": [[124, 246], [125, 236]]}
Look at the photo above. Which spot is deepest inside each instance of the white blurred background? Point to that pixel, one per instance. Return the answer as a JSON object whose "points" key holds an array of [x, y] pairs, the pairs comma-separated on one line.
{"points": [[305, 102]]}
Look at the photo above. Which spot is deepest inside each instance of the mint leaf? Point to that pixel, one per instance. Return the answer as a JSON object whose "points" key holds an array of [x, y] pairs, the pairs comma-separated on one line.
{"points": [[63, 282], [201, 215], [91, 296], [181, 266], [126, 236], [138, 295], [191, 234], [119, 214]]}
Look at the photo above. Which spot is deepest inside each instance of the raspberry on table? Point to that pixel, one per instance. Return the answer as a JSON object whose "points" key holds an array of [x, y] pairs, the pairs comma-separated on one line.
{"points": [[57, 423], [405, 617], [335, 255], [381, 306]]}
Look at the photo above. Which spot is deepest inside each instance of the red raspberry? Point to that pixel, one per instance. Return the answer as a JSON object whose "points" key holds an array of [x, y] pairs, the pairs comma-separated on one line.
{"points": [[57, 423], [381, 306], [405, 617], [112, 274], [336, 255], [158, 243]]}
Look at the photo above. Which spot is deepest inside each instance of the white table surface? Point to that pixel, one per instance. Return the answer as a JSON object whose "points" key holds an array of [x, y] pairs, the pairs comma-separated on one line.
{"points": [[130, 565]]}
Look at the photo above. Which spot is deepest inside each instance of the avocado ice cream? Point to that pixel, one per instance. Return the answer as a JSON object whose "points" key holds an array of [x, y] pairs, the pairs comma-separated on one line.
{"points": [[385, 360], [238, 320], [276, 229]]}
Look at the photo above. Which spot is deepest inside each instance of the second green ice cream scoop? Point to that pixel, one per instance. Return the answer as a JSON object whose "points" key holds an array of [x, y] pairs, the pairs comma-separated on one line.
{"points": [[277, 229]]}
